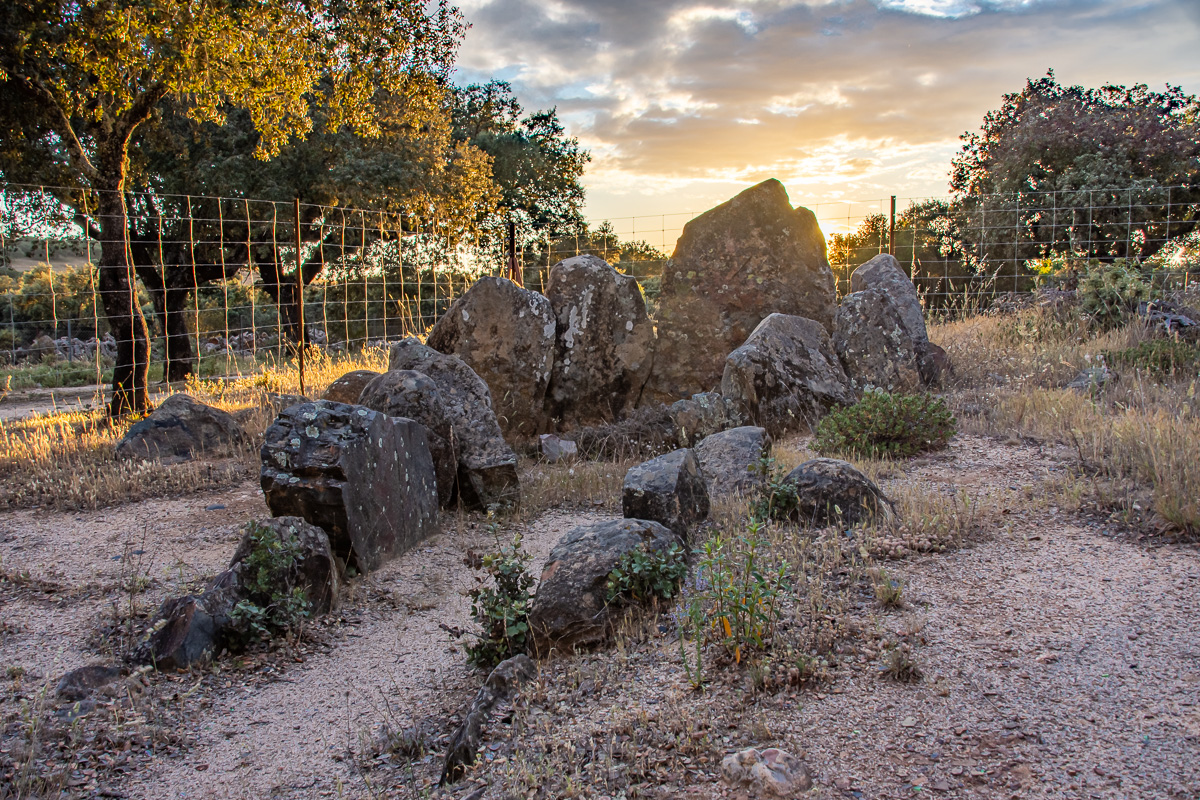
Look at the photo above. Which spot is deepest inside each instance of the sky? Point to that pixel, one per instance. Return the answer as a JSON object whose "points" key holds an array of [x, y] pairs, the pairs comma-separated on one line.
{"points": [[684, 103]]}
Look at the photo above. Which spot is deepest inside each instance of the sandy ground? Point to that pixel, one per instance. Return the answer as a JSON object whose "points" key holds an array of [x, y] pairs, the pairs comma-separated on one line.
{"points": [[1061, 657]]}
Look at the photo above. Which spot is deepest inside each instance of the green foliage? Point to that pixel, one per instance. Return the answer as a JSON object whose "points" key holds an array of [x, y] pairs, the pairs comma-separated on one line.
{"points": [[889, 591], [270, 604], [644, 573], [775, 499], [1157, 357], [886, 425], [1109, 292], [738, 593], [502, 610]]}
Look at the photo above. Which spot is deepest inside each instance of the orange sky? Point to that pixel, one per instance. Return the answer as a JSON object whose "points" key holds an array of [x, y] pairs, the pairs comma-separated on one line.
{"points": [[684, 103]]}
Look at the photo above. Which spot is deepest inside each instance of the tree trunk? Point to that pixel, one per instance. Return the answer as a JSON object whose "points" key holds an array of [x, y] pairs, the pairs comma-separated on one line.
{"points": [[118, 294], [171, 309]]}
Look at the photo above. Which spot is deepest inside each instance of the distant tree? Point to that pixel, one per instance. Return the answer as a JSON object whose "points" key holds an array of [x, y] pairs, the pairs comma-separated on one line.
{"points": [[82, 78], [1104, 173], [637, 258], [536, 166]]}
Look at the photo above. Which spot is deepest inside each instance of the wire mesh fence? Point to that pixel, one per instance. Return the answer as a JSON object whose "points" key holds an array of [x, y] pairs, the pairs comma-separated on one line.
{"points": [[217, 278]]}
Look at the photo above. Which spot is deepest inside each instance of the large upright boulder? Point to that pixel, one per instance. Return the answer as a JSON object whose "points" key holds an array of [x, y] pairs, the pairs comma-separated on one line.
{"points": [[505, 333], [604, 342], [487, 466], [180, 429], [365, 478], [884, 273], [874, 344], [745, 259], [571, 606], [786, 375], [413, 395], [669, 490]]}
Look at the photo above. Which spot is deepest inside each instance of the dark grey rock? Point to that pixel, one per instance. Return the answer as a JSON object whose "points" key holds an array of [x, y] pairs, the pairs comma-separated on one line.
{"points": [[501, 685], [832, 492], [487, 466], [704, 414], [179, 430], [733, 266], [365, 478], [505, 333], [604, 343], [414, 395], [874, 344], [729, 461], [183, 633], [314, 569], [786, 375], [570, 609], [669, 490], [80, 683], [554, 449], [349, 387], [884, 273]]}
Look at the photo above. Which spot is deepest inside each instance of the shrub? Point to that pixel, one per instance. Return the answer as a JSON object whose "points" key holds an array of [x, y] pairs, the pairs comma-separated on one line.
{"points": [[1157, 357], [739, 596], [502, 610], [642, 574], [270, 605], [1108, 292], [885, 425]]}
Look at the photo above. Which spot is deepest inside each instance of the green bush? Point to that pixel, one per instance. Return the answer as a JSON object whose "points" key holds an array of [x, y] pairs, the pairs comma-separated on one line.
{"points": [[1157, 357], [642, 574], [1109, 292], [270, 605], [885, 425], [502, 610]]}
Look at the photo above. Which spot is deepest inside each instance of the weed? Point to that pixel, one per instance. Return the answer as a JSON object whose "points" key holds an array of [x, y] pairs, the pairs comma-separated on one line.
{"points": [[642, 574], [888, 590], [502, 610], [776, 499], [901, 666], [1109, 292], [1159, 357], [271, 605], [741, 597], [885, 425]]}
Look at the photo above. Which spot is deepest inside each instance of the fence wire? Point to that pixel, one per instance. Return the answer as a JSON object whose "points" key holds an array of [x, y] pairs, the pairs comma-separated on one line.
{"points": [[216, 277]]}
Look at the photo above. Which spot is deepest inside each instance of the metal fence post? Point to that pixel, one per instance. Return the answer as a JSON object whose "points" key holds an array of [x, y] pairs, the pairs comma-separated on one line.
{"points": [[299, 298]]}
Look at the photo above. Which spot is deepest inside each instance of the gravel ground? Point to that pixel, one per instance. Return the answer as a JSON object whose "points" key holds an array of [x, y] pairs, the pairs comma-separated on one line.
{"points": [[1061, 658]]}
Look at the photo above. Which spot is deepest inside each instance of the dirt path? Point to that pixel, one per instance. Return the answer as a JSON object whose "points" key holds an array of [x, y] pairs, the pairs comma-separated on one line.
{"points": [[1060, 659]]}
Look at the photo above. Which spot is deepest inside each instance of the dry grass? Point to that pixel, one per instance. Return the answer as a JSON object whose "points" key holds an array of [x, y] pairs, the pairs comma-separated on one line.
{"points": [[1135, 436]]}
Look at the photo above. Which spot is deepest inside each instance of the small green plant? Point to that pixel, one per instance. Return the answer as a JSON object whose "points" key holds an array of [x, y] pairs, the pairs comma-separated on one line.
{"points": [[643, 573], [740, 595], [886, 425], [888, 590], [271, 605], [900, 666], [502, 610], [1108, 292], [1157, 357], [775, 499]]}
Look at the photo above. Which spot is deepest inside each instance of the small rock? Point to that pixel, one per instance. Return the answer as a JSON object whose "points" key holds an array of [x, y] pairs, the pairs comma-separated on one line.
{"points": [[79, 683], [704, 414], [570, 608], [829, 491], [1091, 380], [669, 490], [179, 430], [555, 449], [728, 460], [773, 772], [908, 722]]}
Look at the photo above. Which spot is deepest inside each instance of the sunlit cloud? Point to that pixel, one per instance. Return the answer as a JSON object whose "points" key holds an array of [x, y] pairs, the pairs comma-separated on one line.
{"points": [[683, 102]]}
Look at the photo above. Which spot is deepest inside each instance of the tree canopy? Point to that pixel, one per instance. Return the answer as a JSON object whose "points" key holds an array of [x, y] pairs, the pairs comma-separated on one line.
{"points": [[1109, 172]]}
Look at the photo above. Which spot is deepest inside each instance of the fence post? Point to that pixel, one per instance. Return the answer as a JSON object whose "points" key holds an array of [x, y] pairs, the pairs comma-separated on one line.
{"points": [[892, 229], [300, 298]]}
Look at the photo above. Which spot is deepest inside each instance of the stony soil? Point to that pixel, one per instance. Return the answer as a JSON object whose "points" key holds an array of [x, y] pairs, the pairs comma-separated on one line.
{"points": [[1060, 656]]}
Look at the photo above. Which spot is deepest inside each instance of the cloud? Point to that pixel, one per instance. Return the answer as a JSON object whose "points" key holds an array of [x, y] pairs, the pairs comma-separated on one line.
{"points": [[688, 99]]}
